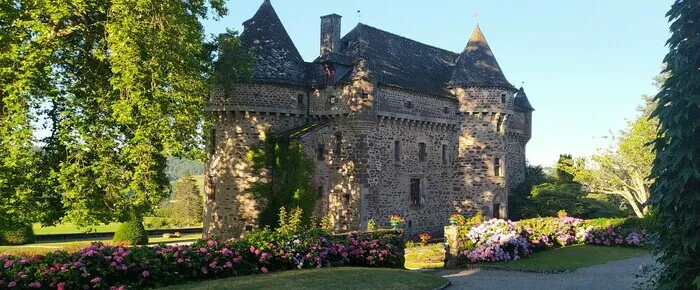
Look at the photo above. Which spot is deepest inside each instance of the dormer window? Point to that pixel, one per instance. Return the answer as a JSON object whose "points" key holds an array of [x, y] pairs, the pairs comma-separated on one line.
{"points": [[331, 99]]}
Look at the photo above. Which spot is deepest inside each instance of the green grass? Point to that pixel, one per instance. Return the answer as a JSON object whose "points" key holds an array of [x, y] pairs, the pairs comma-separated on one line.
{"points": [[68, 228], [573, 257], [327, 278], [430, 256], [43, 247]]}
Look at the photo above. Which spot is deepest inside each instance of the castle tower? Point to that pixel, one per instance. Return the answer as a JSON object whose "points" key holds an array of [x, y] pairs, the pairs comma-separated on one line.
{"points": [[520, 132], [486, 106], [274, 100]]}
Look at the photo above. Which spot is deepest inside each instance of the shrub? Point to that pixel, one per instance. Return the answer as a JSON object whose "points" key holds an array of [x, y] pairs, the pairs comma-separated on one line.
{"points": [[131, 232], [17, 234], [371, 225], [496, 240], [104, 267]]}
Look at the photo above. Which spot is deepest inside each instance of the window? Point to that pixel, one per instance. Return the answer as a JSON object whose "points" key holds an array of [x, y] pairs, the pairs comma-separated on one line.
{"points": [[408, 105], [444, 154], [421, 152], [331, 99], [347, 198], [319, 191], [338, 143], [211, 189], [248, 228], [365, 96], [496, 210], [212, 145], [319, 152], [397, 150], [497, 167], [415, 191], [300, 99], [499, 124], [445, 110], [503, 98]]}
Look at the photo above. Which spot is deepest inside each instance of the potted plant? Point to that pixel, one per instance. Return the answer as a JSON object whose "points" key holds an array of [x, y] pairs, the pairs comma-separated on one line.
{"points": [[456, 219], [395, 220], [425, 238]]}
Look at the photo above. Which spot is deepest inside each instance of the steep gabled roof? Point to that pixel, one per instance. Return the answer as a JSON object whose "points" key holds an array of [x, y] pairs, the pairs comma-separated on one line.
{"points": [[278, 60], [395, 60], [521, 101], [477, 66]]}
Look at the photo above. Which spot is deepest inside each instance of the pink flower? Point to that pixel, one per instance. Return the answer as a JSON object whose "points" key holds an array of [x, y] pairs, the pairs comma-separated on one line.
{"points": [[61, 286], [96, 280], [263, 269], [8, 264], [228, 265], [179, 260], [35, 284], [11, 284], [202, 250], [145, 274]]}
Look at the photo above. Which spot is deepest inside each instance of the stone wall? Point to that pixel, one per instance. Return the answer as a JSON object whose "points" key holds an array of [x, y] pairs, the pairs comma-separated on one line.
{"points": [[395, 100]]}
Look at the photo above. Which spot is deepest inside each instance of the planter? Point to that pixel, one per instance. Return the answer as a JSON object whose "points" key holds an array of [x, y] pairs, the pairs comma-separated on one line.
{"points": [[395, 225], [452, 223]]}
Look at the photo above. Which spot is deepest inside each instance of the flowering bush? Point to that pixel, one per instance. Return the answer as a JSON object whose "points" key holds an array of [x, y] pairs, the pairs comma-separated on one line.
{"points": [[425, 238], [394, 218], [496, 240], [611, 236], [116, 267]]}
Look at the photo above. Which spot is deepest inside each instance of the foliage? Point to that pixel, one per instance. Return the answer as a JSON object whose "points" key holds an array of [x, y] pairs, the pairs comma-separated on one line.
{"points": [[289, 246], [548, 198], [676, 190], [179, 167], [475, 220], [120, 85], [285, 179], [563, 175], [17, 234], [534, 175], [396, 219], [423, 254], [131, 232], [326, 222], [187, 202], [500, 240], [425, 238], [457, 219], [371, 225]]}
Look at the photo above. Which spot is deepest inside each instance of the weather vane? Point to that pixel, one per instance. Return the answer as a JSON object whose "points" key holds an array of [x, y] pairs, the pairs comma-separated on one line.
{"points": [[476, 16], [359, 16]]}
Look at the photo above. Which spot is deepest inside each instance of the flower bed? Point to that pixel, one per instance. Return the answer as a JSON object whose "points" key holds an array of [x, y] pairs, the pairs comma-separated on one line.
{"points": [[501, 240], [115, 267]]}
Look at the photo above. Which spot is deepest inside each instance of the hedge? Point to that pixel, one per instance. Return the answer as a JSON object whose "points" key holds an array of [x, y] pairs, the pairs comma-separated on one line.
{"points": [[501, 240], [131, 232], [118, 267], [17, 234]]}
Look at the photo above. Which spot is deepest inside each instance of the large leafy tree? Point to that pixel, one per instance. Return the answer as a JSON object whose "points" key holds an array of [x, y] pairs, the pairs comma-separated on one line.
{"points": [[676, 171], [622, 169], [123, 85]]}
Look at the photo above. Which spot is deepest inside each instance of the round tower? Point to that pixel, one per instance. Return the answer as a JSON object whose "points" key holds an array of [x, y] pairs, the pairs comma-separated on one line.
{"points": [[486, 106]]}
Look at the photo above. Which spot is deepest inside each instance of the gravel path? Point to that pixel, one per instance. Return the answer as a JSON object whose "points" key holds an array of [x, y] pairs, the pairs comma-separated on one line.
{"points": [[612, 275]]}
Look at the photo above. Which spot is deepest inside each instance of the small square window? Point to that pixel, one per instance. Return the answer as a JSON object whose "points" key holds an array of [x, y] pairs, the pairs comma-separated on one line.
{"points": [[331, 99], [415, 191], [409, 105], [397, 150], [445, 110], [365, 96], [300, 99], [503, 98], [497, 168], [422, 154], [320, 152], [319, 191]]}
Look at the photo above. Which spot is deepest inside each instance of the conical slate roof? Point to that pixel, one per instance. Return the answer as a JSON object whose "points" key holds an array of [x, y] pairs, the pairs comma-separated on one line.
{"points": [[278, 60], [476, 65], [521, 101]]}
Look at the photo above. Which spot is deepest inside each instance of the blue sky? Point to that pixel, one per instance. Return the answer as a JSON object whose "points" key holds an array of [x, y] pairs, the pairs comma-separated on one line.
{"points": [[585, 64]]}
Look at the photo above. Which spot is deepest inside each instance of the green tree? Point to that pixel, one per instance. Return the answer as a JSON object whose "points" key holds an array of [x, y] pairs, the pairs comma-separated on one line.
{"points": [[563, 175], [286, 179], [123, 83], [676, 171], [534, 175], [187, 202]]}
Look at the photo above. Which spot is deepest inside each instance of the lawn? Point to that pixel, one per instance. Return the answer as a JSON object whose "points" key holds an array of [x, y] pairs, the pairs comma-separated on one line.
{"points": [[430, 256], [327, 278], [573, 257], [68, 228], [50, 246]]}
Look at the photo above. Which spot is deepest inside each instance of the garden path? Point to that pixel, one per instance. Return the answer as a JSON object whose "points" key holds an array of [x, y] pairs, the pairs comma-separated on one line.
{"points": [[613, 275]]}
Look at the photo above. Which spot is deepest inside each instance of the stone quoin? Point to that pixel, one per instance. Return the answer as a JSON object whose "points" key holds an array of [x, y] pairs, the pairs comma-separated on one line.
{"points": [[394, 126]]}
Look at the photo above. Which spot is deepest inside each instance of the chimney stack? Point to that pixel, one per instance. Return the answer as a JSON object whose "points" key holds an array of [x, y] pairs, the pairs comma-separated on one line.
{"points": [[330, 33]]}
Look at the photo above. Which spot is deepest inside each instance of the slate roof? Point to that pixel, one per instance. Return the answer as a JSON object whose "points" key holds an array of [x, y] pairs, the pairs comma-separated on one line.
{"points": [[521, 101], [278, 60], [476, 65], [390, 59]]}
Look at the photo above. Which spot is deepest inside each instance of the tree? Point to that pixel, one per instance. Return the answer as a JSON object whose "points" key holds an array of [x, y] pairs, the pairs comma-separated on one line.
{"points": [[534, 175], [286, 179], [676, 172], [187, 201], [123, 85], [563, 175], [622, 169]]}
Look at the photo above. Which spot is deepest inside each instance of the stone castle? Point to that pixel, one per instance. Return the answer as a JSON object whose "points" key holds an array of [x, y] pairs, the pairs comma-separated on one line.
{"points": [[394, 126]]}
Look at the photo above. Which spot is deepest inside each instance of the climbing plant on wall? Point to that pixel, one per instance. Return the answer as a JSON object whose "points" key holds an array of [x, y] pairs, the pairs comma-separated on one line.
{"points": [[284, 179]]}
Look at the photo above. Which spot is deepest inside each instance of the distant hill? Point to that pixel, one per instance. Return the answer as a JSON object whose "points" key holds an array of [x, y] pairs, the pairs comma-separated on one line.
{"points": [[177, 167]]}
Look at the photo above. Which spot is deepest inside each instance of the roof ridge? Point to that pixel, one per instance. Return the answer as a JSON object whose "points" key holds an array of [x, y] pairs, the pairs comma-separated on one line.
{"points": [[404, 37]]}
